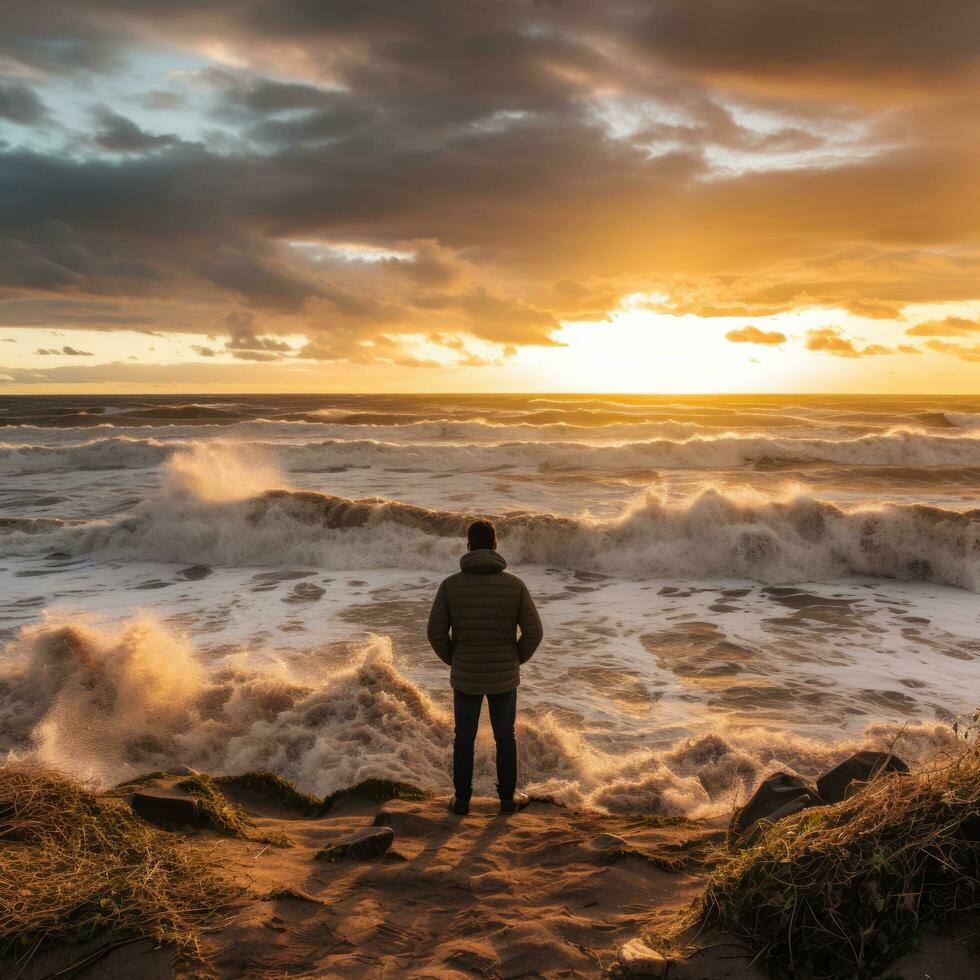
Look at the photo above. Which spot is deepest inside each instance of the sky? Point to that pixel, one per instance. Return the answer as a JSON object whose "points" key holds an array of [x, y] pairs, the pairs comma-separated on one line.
{"points": [[524, 195]]}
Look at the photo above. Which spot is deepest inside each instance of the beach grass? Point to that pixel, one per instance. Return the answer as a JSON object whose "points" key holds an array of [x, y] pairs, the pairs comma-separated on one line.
{"points": [[272, 788], [840, 891], [75, 866], [225, 817], [378, 790]]}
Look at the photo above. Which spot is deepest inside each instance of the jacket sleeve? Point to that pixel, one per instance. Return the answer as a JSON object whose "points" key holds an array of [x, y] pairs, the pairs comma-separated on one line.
{"points": [[532, 631], [438, 628]]}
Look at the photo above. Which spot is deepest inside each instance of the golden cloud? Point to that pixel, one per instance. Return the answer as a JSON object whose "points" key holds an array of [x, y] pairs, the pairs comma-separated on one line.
{"points": [[753, 335]]}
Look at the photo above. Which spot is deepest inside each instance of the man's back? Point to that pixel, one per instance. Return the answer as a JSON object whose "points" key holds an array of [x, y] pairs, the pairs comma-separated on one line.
{"points": [[474, 622]]}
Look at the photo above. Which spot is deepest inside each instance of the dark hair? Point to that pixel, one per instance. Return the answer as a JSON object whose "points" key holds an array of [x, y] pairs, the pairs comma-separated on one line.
{"points": [[481, 534]]}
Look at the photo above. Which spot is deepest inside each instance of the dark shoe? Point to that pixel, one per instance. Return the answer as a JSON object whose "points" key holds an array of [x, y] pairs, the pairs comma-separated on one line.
{"points": [[517, 802], [460, 807]]}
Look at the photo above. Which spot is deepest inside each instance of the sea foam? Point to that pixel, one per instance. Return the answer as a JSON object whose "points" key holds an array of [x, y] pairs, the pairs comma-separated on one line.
{"points": [[217, 509], [111, 704]]}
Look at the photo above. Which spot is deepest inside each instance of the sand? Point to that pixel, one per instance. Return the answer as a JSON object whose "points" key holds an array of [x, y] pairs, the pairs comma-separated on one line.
{"points": [[525, 895]]}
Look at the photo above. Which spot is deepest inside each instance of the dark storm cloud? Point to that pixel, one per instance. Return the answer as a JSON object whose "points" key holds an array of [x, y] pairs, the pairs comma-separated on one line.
{"points": [[874, 42], [525, 162], [122, 135], [51, 256], [59, 37], [20, 104]]}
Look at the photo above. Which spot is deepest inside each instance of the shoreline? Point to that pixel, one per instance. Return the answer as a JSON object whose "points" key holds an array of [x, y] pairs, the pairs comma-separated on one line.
{"points": [[550, 891]]}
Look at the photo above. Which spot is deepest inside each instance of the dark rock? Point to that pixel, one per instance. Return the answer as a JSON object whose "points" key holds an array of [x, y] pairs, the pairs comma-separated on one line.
{"points": [[758, 828], [166, 808], [861, 767], [794, 806], [195, 572], [773, 794], [369, 843]]}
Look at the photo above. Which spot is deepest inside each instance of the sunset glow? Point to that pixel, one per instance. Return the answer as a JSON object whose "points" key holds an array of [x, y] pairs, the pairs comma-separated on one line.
{"points": [[232, 197]]}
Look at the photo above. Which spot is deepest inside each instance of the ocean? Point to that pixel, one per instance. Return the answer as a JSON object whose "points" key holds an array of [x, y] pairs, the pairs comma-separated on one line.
{"points": [[730, 585]]}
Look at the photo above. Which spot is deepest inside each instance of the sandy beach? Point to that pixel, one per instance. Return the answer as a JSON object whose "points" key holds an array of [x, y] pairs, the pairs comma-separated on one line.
{"points": [[548, 892]]}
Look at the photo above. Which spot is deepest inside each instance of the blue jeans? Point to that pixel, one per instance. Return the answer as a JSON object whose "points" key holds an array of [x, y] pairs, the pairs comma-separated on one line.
{"points": [[503, 712]]}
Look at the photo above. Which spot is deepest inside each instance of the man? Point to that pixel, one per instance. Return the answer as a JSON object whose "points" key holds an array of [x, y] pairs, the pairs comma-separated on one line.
{"points": [[473, 627]]}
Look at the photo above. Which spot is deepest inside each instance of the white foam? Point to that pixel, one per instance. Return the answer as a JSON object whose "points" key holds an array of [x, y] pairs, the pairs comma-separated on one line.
{"points": [[963, 420], [895, 447], [206, 516], [107, 705]]}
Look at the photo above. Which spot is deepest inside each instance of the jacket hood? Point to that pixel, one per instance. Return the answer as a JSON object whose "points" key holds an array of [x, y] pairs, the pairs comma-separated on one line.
{"points": [[483, 561]]}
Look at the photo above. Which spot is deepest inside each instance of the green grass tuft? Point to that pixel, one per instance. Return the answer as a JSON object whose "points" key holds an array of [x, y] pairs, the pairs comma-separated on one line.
{"points": [[269, 786], [150, 777], [225, 817], [377, 789]]}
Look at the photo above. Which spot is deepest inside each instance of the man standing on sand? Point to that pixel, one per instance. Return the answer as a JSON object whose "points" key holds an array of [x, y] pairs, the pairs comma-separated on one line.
{"points": [[473, 627]]}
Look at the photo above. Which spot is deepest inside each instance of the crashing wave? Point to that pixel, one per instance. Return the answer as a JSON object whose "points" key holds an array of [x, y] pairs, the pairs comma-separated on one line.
{"points": [[107, 705], [217, 513]]}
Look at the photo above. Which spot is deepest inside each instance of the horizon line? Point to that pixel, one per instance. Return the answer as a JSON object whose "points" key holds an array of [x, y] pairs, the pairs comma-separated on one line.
{"points": [[505, 394]]}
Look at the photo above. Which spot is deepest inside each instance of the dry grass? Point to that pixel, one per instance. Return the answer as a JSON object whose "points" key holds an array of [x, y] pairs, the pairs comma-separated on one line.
{"points": [[839, 891], [74, 867]]}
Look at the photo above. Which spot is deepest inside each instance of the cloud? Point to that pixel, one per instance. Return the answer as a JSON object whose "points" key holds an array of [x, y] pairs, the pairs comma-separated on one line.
{"points": [[763, 43], [70, 351], [122, 135], [20, 104], [431, 264], [753, 335], [162, 99], [951, 326], [971, 354], [831, 340], [359, 178]]}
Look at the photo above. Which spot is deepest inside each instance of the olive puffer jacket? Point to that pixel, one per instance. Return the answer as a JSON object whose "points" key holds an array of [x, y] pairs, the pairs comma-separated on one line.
{"points": [[474, 621]]}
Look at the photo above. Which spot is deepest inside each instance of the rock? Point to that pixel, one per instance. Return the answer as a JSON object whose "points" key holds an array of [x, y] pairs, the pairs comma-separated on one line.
{"points": [[794, 806], [195, 572], [166, 809], [639, 960], [369, 843], [861, 767], [773, 795], [305, 592], [183, 771], [606, 842]]}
